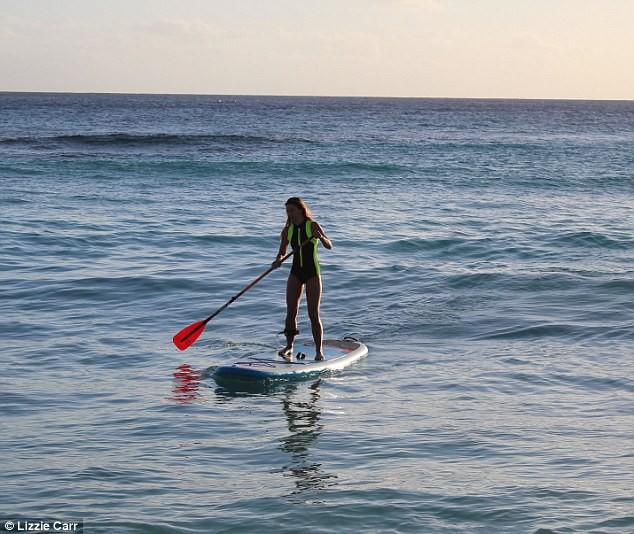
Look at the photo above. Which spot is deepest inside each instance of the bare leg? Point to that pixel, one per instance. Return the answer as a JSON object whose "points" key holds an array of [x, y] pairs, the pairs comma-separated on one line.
{"points": [[293, 296], [313, 299]]}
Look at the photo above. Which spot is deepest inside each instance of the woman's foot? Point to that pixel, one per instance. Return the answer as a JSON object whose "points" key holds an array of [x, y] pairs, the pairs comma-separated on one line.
{"points": [[319, 356], [286, 353]]}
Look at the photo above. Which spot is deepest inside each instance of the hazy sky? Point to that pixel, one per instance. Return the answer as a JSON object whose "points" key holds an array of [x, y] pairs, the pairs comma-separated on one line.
{"points": [[434, 48]]}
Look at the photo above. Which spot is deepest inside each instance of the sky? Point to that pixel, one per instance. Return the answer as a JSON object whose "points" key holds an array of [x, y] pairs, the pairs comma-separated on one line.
{"points": [[571, 49]]}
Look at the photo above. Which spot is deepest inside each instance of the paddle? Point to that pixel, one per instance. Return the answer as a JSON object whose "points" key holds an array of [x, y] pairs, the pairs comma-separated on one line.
{"points": [[186, 337]]}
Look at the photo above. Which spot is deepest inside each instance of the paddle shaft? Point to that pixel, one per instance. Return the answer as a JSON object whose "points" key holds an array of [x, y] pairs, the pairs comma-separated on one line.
{"points": [[243, 291]]}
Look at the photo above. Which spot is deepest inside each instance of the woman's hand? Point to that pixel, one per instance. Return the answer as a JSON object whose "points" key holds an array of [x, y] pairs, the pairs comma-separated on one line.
{"points": [[278, 261], [319, 234]]}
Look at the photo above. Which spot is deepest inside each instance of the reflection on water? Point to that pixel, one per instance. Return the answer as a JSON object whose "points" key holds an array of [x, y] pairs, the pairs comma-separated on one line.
{"points": [[303, 417], [300, 405], [186, 382]]}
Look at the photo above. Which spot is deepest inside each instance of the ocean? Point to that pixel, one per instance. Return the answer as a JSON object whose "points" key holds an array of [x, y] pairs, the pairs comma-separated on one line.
{"points": [[483, 250]]}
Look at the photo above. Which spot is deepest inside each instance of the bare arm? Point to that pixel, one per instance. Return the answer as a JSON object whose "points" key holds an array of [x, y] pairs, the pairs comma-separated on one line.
{"points": [[319, 234], [283, 246]]}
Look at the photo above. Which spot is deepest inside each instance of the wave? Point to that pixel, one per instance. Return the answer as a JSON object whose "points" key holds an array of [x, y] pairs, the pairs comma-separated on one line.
{"points": [[105, 168], [472, 248], [140, 140], [589, 239], [76, 294], [575, 330], [536, 332]]}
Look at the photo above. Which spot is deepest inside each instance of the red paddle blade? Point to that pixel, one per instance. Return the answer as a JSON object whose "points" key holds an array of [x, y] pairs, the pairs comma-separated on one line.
{"points": [[188, 335]]}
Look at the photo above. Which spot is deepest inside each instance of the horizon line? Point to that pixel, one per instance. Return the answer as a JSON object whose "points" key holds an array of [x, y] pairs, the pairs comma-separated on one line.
{"points": [[267, 95]]}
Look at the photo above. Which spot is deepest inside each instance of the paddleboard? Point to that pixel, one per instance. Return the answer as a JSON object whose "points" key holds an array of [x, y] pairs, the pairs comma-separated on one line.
{"points": [[338, 354]]}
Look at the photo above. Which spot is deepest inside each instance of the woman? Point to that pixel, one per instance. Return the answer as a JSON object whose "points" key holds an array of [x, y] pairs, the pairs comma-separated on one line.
{"points": [[303, 233]]}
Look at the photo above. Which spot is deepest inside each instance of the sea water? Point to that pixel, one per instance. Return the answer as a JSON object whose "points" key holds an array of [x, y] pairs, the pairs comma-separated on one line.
{"points": [[483, 250]]}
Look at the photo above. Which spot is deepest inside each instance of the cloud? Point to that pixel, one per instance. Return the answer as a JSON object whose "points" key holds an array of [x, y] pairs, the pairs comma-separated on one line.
{"points": [[15, 27], [431, 6], [182, 31]]}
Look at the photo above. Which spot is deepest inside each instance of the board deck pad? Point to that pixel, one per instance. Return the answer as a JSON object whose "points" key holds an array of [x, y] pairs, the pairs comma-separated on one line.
{"points": [[338, 354]]}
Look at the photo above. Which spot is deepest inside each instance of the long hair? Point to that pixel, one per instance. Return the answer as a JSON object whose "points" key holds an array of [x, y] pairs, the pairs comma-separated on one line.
{"points": [[298, 202]]}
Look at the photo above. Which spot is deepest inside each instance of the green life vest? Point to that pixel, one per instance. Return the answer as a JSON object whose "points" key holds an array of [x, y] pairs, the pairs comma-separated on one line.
{"points": [[308, 234]]}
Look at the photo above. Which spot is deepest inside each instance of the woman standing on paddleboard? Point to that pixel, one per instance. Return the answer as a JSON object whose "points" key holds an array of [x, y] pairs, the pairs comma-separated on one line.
{"points": [[303, 233]]}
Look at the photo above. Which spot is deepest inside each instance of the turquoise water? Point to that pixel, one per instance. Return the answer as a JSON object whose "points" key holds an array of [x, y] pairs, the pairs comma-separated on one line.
{"points": [[483, 252]]}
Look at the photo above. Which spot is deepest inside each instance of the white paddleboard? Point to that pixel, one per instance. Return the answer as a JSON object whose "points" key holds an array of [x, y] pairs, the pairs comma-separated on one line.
{"points": [[338, 354]]}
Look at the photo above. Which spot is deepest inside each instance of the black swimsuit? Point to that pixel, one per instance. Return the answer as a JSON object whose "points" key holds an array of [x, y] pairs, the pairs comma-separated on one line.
{"points": [[305, 260]]}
